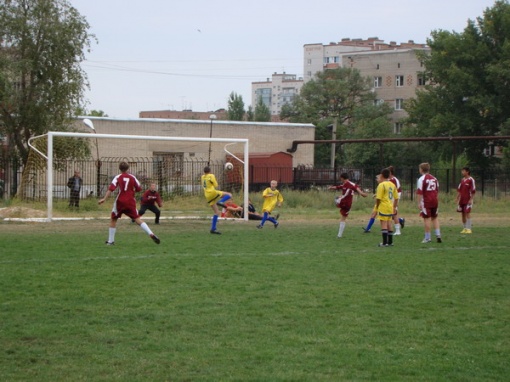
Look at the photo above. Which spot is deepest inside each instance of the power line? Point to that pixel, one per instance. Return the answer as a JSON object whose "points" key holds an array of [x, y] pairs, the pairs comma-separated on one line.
{"points": [[177, 74]]}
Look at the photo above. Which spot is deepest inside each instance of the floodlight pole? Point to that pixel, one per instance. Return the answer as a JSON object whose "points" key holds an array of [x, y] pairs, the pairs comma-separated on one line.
{"points": [[212, 117], [333, 145], [89, 124]]}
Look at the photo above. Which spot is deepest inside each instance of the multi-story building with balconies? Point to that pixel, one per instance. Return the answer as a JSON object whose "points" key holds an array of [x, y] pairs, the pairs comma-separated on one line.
{"points": [[280, 90], [394, 68]]}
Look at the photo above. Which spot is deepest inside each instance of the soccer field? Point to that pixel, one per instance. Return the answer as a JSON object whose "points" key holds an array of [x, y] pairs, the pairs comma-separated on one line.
{"points": [[293, 303]]}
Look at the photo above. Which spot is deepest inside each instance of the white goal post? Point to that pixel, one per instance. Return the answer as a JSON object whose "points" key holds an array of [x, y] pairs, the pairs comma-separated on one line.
{"points": [[49, 158]]}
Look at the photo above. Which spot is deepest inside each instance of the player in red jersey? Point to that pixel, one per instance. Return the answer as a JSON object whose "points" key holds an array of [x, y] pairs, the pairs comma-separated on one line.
{"points": [[427, 190], [465, 195], [344, 202], [125, 203]]}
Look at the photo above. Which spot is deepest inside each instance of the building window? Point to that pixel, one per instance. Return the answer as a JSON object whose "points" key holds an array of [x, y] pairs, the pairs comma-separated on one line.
{"points": [[421, 79], [378, 102], [331, 60], [399, 80], [377, 82], [398, 65], [397, 127], [265, 95], [309, 74], [170, 164], [377, 66], [309, 61], [399, 104]]}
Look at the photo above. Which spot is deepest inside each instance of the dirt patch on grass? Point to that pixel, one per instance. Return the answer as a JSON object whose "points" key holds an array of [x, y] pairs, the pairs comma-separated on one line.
{"points": [[21, 212]]}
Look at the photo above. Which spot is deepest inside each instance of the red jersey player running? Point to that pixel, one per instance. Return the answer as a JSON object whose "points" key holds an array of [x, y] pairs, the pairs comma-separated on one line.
{"points": [[427, 190], [344, 202], [125, 202], [465, 195]]}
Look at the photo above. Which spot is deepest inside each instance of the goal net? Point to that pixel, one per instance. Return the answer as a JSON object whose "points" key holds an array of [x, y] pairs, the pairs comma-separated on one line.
{"points": [[174, 164]]}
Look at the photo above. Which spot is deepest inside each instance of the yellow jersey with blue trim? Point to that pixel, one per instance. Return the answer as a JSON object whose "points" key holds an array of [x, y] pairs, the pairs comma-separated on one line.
{"points": [[209, 183], [387, 194], [271, 197]]}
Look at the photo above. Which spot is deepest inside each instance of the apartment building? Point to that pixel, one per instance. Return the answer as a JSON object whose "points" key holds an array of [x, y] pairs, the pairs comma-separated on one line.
{"points": [[276, 92], [394, 68]]}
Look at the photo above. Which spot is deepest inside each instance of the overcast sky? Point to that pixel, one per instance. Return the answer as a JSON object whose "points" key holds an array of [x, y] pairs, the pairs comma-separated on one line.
{"points": [[191, 54]]}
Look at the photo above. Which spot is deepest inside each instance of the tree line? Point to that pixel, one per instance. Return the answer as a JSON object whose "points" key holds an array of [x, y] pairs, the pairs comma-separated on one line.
{"points": [[467, 92]]}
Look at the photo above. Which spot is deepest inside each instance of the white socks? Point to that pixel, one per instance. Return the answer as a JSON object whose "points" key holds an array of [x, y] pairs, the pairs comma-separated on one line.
{"points": [[111, 235], [341, 229], [146, 228]]}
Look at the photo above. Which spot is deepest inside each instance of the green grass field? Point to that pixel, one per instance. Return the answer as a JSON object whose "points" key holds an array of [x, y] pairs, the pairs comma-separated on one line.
{"points": [[291, 304]]}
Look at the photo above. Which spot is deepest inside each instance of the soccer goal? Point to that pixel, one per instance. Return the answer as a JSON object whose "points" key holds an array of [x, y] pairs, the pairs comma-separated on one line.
{"points": [[174, 163]]}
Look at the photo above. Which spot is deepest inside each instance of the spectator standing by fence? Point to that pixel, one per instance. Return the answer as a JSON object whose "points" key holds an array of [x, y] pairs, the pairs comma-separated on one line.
{"points": [[74, 183]]}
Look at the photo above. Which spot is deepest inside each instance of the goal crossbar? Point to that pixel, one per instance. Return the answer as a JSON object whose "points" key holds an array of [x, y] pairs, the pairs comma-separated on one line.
{"points": [[52, 134]]}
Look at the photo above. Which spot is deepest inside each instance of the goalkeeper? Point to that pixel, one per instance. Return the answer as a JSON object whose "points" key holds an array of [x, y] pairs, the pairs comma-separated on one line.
{"points": [[151, 200]]}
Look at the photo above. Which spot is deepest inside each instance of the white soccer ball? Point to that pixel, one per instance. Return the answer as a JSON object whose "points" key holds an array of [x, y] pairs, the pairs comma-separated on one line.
{"points": [[229, 166]]}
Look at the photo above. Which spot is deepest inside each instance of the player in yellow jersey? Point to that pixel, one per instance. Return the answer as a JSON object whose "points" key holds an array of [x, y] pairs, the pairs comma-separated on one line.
{"points": [[373, 215], [272, 198], [386, 204], [213, 196]]}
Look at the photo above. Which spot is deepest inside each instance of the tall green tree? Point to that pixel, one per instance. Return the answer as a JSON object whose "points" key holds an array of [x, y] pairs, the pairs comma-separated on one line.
{"points": [[97, 113], [370, 121], [469, 84], [42, 43], [235, 109], [262, 112], [81, 111], [340, 98], [250, 114]]}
